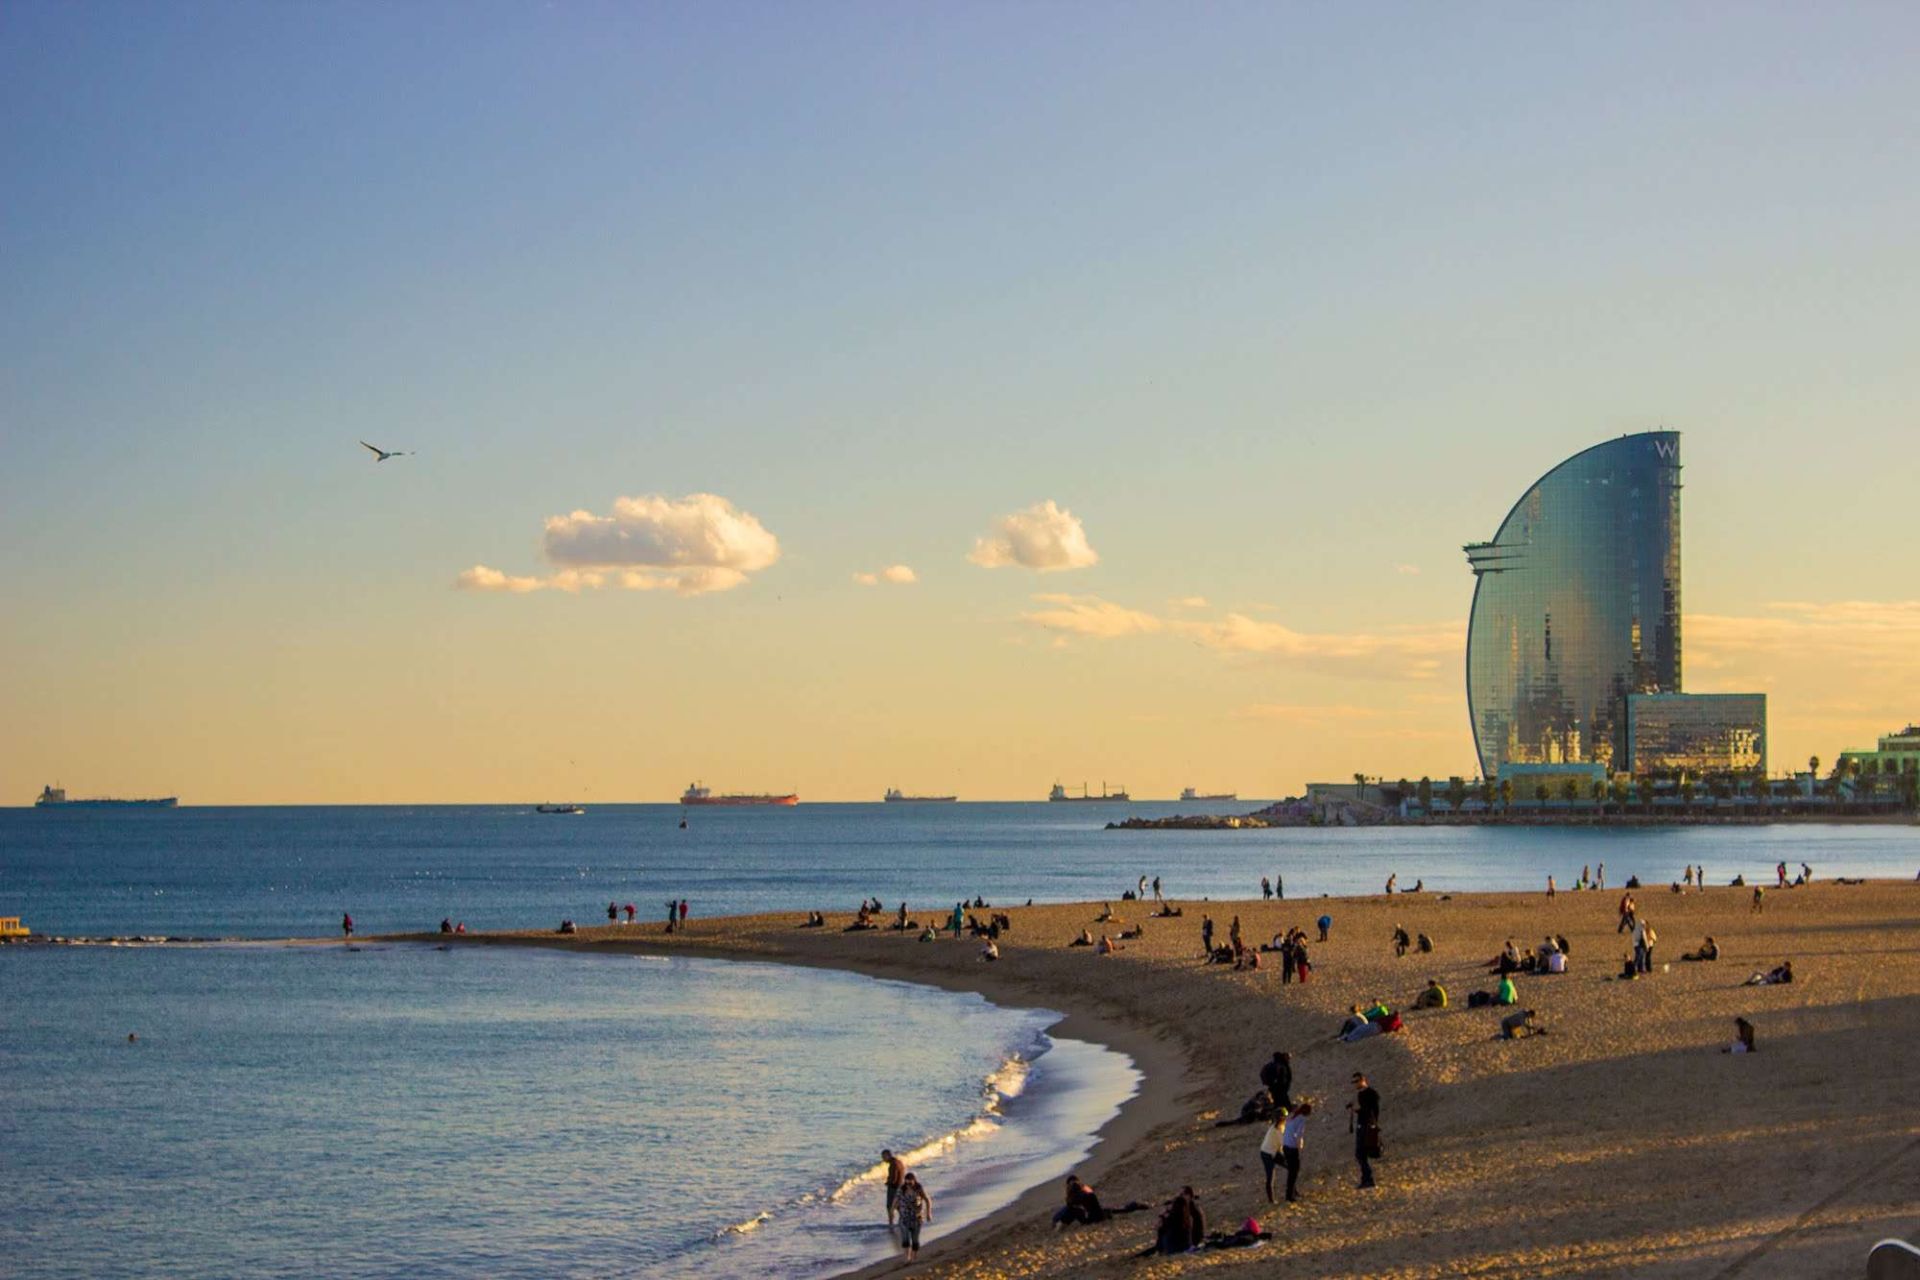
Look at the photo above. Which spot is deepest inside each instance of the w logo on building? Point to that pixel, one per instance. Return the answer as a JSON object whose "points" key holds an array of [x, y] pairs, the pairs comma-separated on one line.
{"points": [[1668, 449]]}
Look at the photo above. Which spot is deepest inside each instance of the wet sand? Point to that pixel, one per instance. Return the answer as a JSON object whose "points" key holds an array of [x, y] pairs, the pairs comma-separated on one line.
{"points": [[1622, 1142]]}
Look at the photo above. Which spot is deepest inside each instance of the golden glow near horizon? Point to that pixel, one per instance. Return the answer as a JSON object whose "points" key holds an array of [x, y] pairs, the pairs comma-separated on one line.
{"points": [[834, 405]]}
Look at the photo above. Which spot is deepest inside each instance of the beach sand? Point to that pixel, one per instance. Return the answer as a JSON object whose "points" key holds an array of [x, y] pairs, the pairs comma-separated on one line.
{"points": [[1622, 1142]]}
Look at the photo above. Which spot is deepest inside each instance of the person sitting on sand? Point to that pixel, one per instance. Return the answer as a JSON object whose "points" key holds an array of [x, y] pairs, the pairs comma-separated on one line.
{"points": [[1773, 977], [1084, 940], [1082, 1207], [1519, 1023], [1168, 911], [567, 926], [1106, 913], [1742, 1037], [1137, 931], [1508, 961], [1247, 960], [1183, 1227], [1505, 993], [446, 924], [1709, 950], [991, 951], [928, 935], [1107, 946], [1423, 944], [1434, 997], [1419, 886]]}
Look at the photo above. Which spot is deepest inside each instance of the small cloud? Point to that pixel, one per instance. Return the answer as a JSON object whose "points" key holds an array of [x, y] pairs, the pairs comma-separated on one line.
{"points": [[1091, 616], [1409, 570], [692, 545], [482, 578], [1188, 602], [1044, 538], [898, 575]]}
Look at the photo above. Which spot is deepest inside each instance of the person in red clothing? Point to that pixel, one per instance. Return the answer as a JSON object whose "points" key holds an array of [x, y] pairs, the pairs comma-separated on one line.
{"points": [[346, 926], [683, 911], [629, 910]]}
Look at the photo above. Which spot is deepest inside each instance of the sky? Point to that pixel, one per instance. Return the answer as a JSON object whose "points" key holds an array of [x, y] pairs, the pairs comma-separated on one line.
{"points": [[961, 398]]}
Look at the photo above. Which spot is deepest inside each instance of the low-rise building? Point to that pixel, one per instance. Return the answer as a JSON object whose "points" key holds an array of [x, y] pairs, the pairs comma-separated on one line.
{"points": [[1697, 734]]}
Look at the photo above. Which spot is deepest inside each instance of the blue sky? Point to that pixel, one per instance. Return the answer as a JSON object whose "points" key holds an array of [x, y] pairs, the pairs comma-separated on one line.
{"points": [[1279, 301]]}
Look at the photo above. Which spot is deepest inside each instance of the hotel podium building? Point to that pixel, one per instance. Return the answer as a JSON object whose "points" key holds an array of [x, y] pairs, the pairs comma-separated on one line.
{"points": [[1576, 610]]}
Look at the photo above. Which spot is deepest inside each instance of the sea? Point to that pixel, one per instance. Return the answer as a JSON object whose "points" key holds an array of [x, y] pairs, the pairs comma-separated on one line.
{"points": [[239, 1105]]}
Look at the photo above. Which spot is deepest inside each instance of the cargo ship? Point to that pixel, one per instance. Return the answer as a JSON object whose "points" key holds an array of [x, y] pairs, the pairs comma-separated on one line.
{"points": [[894, 796], [56, 798], [697, 794], [1060, 793], [1190, 794]]}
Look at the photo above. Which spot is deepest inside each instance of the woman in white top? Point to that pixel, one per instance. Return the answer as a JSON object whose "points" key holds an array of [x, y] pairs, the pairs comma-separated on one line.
{"points": [[1270, 1147]]}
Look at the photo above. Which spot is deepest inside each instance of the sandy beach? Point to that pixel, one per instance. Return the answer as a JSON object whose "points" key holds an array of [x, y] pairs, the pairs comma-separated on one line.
{"points": [[1621, 1142]]}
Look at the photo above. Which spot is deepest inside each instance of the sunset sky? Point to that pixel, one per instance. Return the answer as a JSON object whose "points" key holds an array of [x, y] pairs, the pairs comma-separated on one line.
{"points": [[959, 398]]}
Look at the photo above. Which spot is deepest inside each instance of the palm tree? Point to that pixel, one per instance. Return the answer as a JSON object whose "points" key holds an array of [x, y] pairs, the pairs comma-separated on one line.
{"points": [[1570, 791], [1456, 793], [1600, 793], [1540, 793], [1762, 793], [1486, 792], [1506, 793], [1426, 795]]}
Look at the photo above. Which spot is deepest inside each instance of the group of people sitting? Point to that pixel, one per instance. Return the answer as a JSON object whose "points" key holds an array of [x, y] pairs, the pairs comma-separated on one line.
{"points": [[1549, 957], [1376, 1019]]}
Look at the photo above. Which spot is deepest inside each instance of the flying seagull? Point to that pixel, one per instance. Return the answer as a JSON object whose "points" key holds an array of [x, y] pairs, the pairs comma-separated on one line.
{"points": [[381, 455]]}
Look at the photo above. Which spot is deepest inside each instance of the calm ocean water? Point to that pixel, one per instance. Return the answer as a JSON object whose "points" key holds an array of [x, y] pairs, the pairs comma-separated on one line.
{"points": [[399, 1110]]}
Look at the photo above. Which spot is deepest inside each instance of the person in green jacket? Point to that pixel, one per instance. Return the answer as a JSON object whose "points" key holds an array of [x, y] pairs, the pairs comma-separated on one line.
{"points": [[1506, 994]]}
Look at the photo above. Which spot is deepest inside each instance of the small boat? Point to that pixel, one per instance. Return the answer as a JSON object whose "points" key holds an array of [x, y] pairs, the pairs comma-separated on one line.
{"points": [[894, 796], [558, 808]]}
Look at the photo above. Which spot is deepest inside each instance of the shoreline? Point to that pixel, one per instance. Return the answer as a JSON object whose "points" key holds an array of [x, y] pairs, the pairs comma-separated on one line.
{"points": [[1161, 1063], [1652, 1186]]}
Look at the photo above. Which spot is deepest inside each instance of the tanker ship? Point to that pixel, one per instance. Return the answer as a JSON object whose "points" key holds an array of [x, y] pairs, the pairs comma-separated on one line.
{"points": [[1059, 793], [697, 794], [56, 798]]}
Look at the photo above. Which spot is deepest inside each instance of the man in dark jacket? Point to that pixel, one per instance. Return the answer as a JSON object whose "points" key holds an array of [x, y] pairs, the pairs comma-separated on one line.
{"points": [[1277, 1075], [1366, 1127]]}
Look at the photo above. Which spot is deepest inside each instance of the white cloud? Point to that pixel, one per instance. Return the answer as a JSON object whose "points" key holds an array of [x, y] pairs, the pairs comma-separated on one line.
{"points": [[1189, 602], [482, 578], [1044, 537], [1416, 652], [898, 575], [1882, 634], [692, 545], [1092, 616], [1408, 570]]}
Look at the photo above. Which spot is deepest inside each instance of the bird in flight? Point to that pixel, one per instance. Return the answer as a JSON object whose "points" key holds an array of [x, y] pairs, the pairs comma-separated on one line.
{"points": [[381, 455]]}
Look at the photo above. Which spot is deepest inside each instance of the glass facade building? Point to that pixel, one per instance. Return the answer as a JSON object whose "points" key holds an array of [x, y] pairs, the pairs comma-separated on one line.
{"points": [[1699, 734], [1576, 606]]}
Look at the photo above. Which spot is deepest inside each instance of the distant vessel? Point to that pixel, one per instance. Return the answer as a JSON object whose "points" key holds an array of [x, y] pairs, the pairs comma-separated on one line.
{"points": [[558, 808], [56, 798], [894, 796], [1060, 793], [697, 794], [1190, 794]]}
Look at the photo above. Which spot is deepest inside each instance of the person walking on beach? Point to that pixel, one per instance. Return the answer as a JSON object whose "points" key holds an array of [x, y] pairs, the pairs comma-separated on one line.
{"points": [[1365, 1109], [1600, 876], [1626, 913], [1156, 889], [915, 1208], [1206, 934], [1142, 891], [1392, 880], [1266, 889], [346, 926], [1781, 872], [1759, 900], [1279, 886], [896, 1174]]}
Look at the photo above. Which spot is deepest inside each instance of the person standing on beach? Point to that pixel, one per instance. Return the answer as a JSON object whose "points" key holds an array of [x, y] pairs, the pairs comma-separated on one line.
{"points": [[1366, 1127], [1600, 876], [1156, 888], [1142, 892], [683, 911], [1234, 939], [915, 1207], [346, 926], [1270, 1147], [1206, 934], [1392, 880], [1292, 1137], [896, 1174], [1279, 886], [1325, 923], [1549, 886], [1277, 1076], [1266, 889]]}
